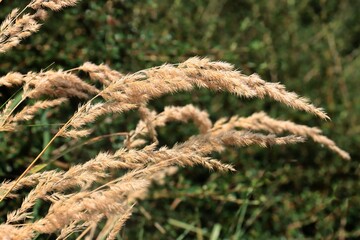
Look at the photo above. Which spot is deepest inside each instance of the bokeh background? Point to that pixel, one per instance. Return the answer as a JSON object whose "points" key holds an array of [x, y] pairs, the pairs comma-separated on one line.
{"points": [[292, 192]]}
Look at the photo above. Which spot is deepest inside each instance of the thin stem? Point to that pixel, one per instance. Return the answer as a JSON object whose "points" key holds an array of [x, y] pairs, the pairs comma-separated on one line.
{"points": [[89, 141], [45, 148], [36, 159], [12, 110]]}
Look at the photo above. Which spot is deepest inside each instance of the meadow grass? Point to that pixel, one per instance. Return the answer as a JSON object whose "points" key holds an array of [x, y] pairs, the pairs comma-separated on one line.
{"points": [[80, 196]]}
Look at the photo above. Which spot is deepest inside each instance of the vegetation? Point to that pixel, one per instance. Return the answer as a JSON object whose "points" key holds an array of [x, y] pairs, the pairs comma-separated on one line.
{"points": [[63, 118]]}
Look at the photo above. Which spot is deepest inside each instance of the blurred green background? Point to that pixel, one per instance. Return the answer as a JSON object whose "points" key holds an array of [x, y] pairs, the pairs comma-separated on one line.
{"points": [[289, 192]]}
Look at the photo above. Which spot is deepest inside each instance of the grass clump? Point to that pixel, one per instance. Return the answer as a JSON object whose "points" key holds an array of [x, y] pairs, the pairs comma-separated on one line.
{"points": [[97, 196]]}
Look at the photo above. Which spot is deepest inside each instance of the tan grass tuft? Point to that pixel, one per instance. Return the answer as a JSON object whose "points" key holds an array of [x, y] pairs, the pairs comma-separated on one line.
{"points": [[83, 195]]}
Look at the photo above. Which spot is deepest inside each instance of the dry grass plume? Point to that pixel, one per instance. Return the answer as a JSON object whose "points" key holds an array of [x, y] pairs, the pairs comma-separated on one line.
{"points": [[76, 205]]}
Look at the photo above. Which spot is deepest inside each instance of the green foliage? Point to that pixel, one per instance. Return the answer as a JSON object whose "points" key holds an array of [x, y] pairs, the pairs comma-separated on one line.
{"points": [[310, 46]]}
